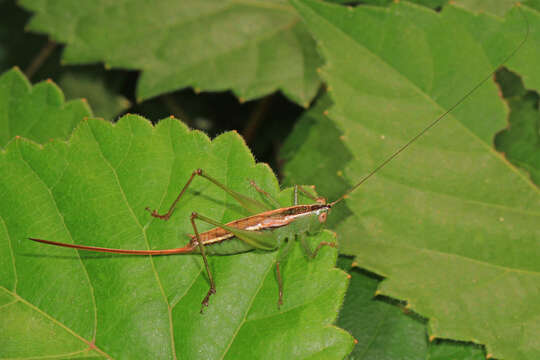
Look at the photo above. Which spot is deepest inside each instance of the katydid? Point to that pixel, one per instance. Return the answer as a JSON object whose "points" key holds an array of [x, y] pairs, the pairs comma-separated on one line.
{"points": [[266, 229]]}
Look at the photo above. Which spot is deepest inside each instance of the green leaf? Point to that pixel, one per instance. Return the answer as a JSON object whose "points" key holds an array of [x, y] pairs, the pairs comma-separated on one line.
{"points": [[36, 112], [253, 48], [91, 85], [450, 224], [93, 190]]}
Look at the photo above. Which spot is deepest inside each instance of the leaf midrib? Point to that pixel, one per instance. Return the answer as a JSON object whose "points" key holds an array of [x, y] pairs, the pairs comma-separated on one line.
{"points": [[142, 228]]}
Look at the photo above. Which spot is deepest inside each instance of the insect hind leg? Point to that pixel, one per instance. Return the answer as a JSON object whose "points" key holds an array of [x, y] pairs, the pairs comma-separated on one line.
{"points": [[167, 215], [267, 195], [253, 206], [212, 289]]}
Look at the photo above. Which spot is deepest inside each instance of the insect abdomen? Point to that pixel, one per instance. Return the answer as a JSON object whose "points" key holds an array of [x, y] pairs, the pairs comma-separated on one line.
{"points": [[227, 247]]}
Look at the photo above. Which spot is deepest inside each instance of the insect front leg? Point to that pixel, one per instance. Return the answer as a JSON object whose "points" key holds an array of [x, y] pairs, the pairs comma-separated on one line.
{"points": [[307, 249]]}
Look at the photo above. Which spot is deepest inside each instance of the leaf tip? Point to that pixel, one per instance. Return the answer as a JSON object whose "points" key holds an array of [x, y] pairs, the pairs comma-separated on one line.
{"points": [[431, 338]]}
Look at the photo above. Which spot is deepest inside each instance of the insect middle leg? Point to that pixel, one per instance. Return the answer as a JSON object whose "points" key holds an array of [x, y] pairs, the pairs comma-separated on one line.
{"points": [[253, 239]]}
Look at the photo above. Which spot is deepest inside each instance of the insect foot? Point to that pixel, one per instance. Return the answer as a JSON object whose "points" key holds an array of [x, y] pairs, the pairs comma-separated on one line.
{"points": [[206, 298], [155, 214]]}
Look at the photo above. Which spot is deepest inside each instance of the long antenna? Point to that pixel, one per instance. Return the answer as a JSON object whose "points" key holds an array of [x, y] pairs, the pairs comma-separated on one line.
{"points": [[442, 116]]}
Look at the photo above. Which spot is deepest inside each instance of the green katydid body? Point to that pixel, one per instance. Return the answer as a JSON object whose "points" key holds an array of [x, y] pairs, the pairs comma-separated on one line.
{"points": [[279, 224]]}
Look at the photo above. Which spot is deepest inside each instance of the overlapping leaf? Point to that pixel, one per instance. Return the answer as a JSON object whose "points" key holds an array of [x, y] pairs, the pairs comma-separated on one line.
{"points": [[253, 48], [36, 112], [93, 189], [450, 224]]}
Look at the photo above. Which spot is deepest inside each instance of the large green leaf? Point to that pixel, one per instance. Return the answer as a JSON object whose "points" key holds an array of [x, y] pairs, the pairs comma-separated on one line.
{"points": [[450, 224], [36, 112], [253, 48], [58, 302]]}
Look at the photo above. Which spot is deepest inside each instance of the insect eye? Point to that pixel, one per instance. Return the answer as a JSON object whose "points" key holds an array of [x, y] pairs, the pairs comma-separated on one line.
{"points": [[322, 217]]}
